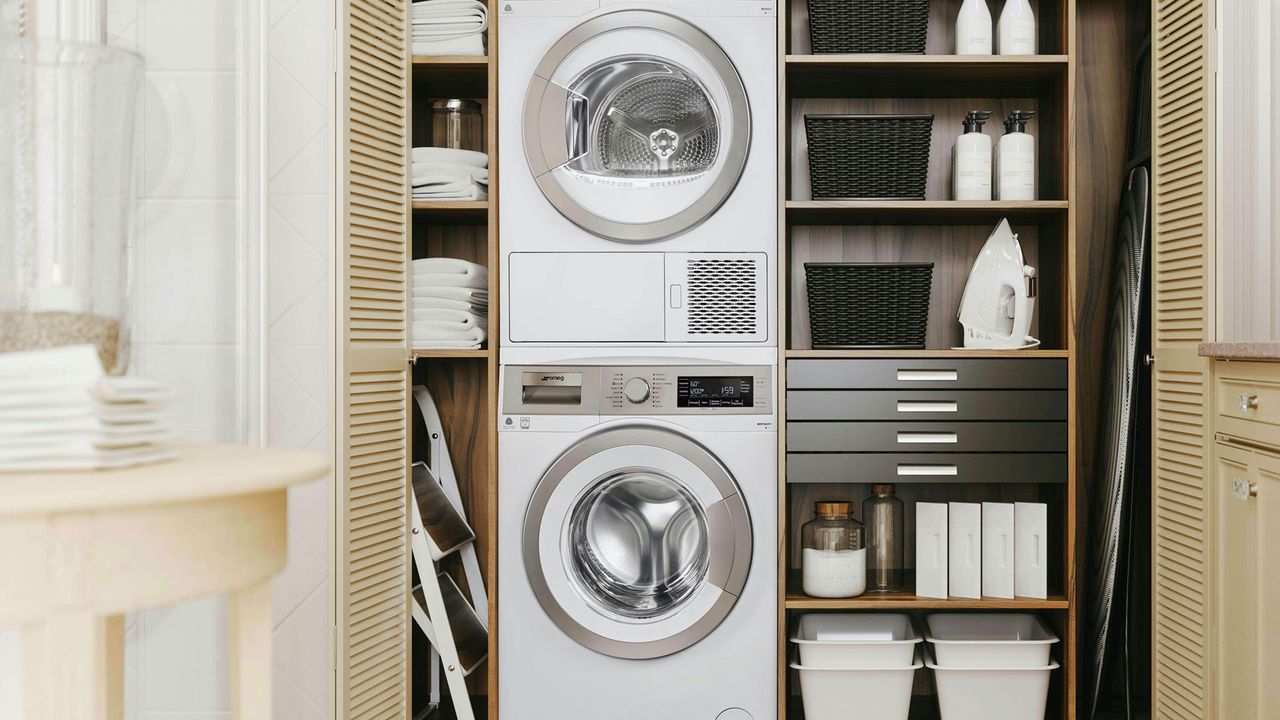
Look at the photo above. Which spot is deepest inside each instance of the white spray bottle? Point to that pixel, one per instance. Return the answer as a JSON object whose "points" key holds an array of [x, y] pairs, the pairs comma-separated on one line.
{"points": [[1016, 30], [973, 28]]}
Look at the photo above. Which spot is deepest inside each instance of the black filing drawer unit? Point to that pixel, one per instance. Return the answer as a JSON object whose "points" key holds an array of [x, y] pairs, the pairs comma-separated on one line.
{"points": [[927, 420]]}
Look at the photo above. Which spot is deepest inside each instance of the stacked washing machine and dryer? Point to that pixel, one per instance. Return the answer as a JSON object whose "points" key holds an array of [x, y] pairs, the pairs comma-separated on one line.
{"points": [[637, 558]]}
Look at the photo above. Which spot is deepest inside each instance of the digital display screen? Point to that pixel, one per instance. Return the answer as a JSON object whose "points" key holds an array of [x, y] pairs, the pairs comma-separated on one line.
{"points": [[729, 391]]}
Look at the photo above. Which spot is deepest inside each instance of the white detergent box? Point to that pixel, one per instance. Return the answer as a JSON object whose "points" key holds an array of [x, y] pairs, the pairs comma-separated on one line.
{"points": [[964, 550], [997, 550], [1031, 529], [931, 550]]}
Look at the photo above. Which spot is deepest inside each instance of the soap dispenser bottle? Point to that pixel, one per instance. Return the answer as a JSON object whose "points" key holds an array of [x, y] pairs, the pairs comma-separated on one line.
{"points": [[971, 160], [973, 28], [1015, 159], [1016, 29]]}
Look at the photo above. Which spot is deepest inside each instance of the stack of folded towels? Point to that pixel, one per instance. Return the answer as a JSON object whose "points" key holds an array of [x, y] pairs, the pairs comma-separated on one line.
{"points": [[445, 174], [60, 411], [450, 304], [449, 27]]}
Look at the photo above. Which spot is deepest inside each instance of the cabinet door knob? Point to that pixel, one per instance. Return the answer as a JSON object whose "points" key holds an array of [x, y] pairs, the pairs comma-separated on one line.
{"points": [[1148, 359], [1243, 489], [1248, 402]]}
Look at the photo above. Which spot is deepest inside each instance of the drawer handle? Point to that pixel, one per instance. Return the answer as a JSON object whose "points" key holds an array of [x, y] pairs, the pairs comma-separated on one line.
{"points": [[1248, 402], [928, 376], [928, 470], [918, 406], [1243, 489], [924, 438]]}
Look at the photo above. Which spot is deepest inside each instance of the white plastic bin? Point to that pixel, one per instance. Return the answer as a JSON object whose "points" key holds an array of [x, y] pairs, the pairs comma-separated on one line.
{"points": [[843, 693], [989, 640], [1009, 693], [856, 640]]}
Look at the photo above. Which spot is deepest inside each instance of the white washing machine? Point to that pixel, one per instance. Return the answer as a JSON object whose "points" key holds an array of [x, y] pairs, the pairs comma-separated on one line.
{"points": [[637, 562], [639, 171]]}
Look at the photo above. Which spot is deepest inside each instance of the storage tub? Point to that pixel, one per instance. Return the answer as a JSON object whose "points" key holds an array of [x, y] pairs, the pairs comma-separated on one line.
{"points": [[989, 640], [868, 156], [1010, 693], [835, 640], [868, 304], [843, 693], [868, 26]]}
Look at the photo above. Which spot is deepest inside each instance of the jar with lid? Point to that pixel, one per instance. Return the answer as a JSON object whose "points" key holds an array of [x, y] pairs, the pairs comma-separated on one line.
{"points": [[457, 124], [834, 556], [883, 514]]}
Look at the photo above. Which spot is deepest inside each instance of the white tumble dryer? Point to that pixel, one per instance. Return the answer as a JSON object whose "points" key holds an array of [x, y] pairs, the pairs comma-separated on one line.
{"points": [[637, 562], [639, 171]]}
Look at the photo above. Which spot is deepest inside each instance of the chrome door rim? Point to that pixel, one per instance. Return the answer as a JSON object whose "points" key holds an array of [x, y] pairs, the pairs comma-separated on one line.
{"points": [[538, 140], [730, 540]]}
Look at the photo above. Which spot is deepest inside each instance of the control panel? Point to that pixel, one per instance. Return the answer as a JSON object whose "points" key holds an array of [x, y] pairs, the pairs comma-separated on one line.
{"points": [[638, 390]]}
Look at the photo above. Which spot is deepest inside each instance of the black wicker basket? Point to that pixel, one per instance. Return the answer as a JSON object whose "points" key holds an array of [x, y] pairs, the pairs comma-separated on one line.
{"points": [[868, 26], [868, 304], [865, 157]]}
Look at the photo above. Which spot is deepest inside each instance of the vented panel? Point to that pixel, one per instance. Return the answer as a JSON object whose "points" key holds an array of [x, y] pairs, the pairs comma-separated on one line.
{"points": [[373, 567], [723, 296], [1182, 243]]}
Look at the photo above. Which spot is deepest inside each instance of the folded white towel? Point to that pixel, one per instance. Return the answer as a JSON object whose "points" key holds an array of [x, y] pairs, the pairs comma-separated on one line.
{"points": [[445, 280], [447, 331], [452, 266], [449, 155], [467, 192], [446, 345], [461, 318], [439, 303], [452, 292], [471, 45], [448, 7], [426, 170]]}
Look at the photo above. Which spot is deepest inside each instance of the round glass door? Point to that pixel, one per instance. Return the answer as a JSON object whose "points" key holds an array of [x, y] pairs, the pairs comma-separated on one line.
{"points": [[637, 126], [637, 542]]}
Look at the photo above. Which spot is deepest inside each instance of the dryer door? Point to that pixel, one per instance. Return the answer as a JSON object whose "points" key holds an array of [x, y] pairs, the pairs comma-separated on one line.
{"points": [[636, 126], [637, 542]]}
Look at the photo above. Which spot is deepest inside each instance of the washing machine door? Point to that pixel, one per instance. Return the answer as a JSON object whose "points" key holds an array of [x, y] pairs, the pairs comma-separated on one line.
{"points": [[636, 126], [637, 542]]}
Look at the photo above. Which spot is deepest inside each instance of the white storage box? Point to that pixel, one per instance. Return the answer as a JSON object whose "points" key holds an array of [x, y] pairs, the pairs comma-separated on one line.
{"points": [[1009, 693], [842, 693], [855, 640], [989, 640]]}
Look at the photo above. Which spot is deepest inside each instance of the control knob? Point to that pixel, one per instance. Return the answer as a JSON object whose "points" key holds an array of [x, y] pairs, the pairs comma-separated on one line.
{"points": [[636, 390]]}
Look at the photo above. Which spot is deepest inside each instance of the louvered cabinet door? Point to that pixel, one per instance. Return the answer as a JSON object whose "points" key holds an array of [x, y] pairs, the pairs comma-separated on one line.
{"points": [[372, 578], [1183, 224]]}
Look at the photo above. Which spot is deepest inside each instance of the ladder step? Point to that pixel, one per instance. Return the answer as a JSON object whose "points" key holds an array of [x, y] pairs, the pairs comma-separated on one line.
{"points": [[446, 530], [469, 634]]}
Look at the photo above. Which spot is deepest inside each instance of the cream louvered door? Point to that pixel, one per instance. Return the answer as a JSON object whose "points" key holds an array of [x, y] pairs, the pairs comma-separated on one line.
{"points": [[1183, 223], [372, 578]]}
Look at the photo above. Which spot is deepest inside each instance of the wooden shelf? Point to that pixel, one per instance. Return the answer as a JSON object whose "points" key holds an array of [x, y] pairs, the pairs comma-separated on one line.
{"points": [[424, 60], [921, 354], [473, 209], [447, 354], [925, 75], [921, 212], [909, 601]]}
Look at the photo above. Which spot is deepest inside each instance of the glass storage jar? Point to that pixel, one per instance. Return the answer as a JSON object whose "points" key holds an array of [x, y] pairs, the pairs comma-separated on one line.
{"points": [[883, 514], [66, 195], [833, 559], [457, 125]]}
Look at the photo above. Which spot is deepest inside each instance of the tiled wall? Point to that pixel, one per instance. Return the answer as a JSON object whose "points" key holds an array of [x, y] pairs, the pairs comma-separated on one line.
{"points": [[248, 362]]}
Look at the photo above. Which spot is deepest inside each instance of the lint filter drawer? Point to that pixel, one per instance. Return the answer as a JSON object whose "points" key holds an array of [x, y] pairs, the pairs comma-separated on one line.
{"points": [[933, 405], [926, 437], [906, 374], [926, 468]]}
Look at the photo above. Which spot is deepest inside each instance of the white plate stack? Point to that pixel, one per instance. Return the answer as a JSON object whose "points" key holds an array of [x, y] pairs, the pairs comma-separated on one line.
{"points": [[450, 304], [60, 411], [856, 665], [980, 656]]}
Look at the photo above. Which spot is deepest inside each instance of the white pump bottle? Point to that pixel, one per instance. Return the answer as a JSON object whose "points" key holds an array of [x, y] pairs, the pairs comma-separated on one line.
{"points": [[973, 28], [971, 160], [1015, 159], [1016, 30]]}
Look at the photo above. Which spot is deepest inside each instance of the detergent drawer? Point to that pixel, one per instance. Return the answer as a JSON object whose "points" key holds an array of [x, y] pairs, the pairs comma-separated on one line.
{"points": [[929, 374], [927, 405], [926, 468]]}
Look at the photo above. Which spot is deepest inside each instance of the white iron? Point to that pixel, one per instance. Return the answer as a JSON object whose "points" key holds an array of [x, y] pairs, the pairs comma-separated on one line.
{"points": [[999, 299]]}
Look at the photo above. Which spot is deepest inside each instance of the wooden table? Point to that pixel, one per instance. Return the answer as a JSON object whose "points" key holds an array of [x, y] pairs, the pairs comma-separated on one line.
{"points": [[78, 550]]}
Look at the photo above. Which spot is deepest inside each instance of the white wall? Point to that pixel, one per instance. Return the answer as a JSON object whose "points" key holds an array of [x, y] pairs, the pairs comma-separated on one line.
{"points": [[232, 307]]}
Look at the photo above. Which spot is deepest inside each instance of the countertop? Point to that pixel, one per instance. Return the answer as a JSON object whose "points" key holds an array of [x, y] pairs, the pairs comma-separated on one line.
{"points": [[1241, 350]]}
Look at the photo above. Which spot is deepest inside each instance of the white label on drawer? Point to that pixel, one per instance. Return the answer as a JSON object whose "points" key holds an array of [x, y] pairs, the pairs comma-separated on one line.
{"points": [[930, 470], [920, 438], [917, 406], [928, 375]]}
